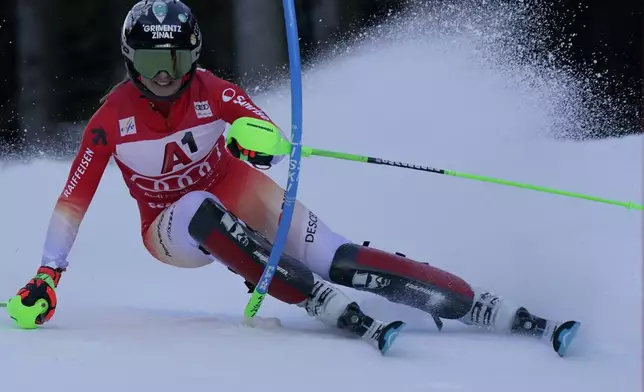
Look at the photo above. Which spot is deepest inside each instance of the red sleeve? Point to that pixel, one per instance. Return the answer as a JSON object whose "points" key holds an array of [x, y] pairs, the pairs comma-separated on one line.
{"points": [[235, 103], [84, 176]]}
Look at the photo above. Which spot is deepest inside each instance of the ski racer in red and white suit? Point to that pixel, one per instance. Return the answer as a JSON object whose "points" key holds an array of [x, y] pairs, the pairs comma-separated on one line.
{"points": [[188, 183], [164, 159]]}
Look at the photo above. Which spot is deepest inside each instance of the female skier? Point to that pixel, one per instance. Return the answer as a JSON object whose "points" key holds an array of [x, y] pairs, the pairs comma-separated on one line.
{"points": [[200, 200]]}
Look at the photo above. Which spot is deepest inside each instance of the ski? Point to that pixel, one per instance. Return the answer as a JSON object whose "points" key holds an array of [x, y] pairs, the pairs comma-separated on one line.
{"points": [[564, 335], [560, 335], [388, 335]]}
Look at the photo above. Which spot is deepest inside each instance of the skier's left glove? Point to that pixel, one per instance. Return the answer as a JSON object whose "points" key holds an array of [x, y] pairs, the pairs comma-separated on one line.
{"points": [[257, 159], [35, 303]]}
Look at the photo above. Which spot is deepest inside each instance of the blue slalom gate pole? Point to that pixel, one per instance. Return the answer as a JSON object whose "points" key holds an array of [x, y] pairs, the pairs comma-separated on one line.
{"points": [[290, 196]]}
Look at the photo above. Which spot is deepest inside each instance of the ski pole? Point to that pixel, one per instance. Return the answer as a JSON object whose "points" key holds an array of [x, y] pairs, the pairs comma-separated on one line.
{"points": [[271, 143], [290, 194], [307, 151], [3, 304]]}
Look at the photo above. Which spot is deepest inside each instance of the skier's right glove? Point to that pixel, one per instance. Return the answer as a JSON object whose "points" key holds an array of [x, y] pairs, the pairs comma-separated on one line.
{"points": [[35, 303], [257, 159]]}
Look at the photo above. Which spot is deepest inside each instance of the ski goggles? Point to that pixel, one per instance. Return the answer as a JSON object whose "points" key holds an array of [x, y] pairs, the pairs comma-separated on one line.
{"points": [[149, 62]]}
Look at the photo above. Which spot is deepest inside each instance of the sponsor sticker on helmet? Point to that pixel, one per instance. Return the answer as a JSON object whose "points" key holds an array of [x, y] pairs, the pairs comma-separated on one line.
{"points": [[162, 31], [139, 10], [160, 10]]}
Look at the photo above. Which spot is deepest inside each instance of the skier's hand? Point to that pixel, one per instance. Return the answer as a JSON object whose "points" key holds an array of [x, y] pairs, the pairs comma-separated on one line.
{"points": [[35, 303], [257, 159]]}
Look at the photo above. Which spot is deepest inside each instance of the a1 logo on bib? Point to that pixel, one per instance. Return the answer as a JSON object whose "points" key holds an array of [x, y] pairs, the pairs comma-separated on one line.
{"points": [[202, 108]]}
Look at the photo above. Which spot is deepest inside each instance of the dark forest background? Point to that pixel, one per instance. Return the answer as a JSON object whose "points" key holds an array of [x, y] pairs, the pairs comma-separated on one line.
{"points": [[58, 57]]}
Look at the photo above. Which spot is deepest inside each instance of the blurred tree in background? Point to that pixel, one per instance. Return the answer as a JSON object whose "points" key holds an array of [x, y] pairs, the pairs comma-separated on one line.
{"points": [[58, 57]]}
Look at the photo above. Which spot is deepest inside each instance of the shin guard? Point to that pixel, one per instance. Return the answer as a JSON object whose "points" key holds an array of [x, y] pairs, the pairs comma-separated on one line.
{"points": [[401, 280], [245, 252]]}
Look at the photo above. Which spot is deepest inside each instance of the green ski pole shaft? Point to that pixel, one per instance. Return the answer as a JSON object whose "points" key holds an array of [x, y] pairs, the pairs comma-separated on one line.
{"points": [[361, 158], [272, 143]]}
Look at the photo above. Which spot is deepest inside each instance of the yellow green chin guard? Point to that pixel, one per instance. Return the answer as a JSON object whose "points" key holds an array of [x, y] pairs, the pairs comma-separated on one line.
{"points": [[25, 316]]}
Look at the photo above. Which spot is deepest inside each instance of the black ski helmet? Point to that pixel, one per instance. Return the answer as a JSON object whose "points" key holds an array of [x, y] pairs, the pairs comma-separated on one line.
{"points": [[160, 35]]}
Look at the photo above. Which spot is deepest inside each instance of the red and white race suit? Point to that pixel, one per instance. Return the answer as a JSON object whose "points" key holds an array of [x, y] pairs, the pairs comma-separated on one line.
{"points": [[163, 158]]}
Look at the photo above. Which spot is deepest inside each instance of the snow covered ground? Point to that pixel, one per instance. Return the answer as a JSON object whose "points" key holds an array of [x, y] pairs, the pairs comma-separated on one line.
{"points": [[126, 322]]}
